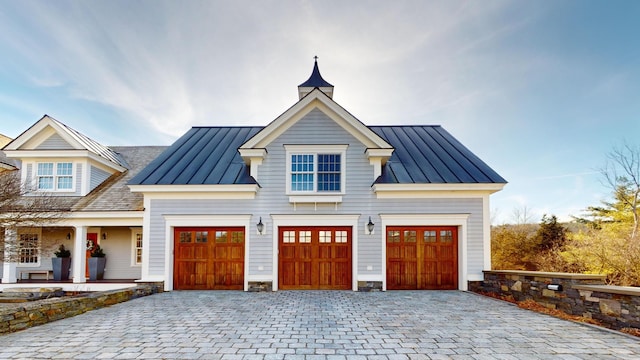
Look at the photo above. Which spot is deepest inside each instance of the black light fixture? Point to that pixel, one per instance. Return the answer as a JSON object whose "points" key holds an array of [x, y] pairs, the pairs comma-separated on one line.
{"points": [[370, 226], [260, 226], [68, 236], [104, 236]]}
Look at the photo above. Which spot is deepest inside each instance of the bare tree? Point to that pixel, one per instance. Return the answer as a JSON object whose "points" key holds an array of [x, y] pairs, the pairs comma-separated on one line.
{"points": [[622, 174], [20, 207], [522, 215]]}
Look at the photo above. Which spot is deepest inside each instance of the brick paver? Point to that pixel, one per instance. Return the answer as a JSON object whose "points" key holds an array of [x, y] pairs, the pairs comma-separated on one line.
{"points": [[316, 325]]}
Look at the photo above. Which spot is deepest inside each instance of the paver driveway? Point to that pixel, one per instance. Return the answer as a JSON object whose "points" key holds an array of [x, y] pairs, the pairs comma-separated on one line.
{"points": [[316, 325]]}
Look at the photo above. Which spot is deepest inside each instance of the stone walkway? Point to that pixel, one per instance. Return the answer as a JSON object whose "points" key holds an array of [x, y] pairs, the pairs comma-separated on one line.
{"points": [[316, 325]]}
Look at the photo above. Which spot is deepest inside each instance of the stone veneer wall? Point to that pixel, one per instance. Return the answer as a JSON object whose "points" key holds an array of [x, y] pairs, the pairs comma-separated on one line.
{"points": [[582, 294], [43, 311]]}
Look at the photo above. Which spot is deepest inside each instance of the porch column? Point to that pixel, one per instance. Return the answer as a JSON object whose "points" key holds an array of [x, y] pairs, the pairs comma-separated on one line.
{"points": [[9, 272], [80, 255]]}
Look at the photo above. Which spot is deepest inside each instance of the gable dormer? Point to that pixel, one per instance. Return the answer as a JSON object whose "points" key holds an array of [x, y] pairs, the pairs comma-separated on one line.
{"points": [[316, 93], [58, 159]]}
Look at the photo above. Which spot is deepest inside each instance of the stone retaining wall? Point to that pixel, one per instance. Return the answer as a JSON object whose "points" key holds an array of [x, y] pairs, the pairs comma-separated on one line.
{"points": [[581, 294], [39, 312]]}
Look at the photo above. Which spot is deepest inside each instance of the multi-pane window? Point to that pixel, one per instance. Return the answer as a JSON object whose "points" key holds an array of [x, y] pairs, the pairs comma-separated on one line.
{"points": [[137, 248], [316, 172], [29, 249], [54, 176]]}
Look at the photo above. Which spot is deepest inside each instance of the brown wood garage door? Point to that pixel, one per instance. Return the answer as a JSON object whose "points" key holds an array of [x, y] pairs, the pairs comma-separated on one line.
{"points": [[317, 258], [422, 258], [208, 259]]}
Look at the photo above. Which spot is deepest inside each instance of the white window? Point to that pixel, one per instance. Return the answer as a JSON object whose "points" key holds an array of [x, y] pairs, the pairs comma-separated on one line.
{"points": [[29, 248], [316, 169], [136, 239], [52, 176]]}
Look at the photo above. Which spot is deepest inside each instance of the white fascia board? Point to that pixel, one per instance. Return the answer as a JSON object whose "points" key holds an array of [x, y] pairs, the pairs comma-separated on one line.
{"points": [[379, 152], [45, 155], [402, 191], [316, 99], [197, 191], [249, 154]]}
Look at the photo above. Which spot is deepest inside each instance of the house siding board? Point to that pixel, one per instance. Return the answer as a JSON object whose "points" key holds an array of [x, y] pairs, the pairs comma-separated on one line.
{"points": [[314, 128], [97, 177], [119, 248], [54, 142]]}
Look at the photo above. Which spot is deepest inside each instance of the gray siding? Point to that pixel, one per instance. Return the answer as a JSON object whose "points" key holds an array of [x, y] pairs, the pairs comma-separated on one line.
{"points": [[54, 142], [97, 177], [316, 128]]}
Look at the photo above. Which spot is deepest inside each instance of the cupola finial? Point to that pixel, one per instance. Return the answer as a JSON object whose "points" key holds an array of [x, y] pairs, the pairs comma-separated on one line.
{"points": [[315, 81]]}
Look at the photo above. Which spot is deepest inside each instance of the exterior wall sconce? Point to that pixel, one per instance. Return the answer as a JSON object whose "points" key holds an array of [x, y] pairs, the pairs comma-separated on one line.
{"points": [[68, 236], [370, 226], [260, 226], [104, 236]]}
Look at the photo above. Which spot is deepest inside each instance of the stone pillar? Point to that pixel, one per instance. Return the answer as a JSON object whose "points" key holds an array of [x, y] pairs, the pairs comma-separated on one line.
{"points": [[80, 255], [9, 272]]}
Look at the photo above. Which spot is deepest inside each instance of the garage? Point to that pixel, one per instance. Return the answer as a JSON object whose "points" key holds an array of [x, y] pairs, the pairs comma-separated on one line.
{"points": [[422, 258], [209, 258], [314, 258]]}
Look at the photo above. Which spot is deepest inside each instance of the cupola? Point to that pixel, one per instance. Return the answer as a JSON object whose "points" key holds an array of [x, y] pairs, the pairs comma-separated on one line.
{"points": [[315, 81]]}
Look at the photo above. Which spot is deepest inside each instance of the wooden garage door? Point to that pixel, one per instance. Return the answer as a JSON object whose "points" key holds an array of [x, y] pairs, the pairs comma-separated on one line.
{"points": [[314, 258], [208, 259], [422, 258]]}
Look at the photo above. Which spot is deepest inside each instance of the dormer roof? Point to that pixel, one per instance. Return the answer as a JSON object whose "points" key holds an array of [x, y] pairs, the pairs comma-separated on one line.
{"points": [[47, 128]]}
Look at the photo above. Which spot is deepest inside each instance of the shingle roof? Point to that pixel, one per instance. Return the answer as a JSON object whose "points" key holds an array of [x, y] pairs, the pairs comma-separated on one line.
{"points": [[423, 154], [429, 154], [202, 156], [113, 194]]}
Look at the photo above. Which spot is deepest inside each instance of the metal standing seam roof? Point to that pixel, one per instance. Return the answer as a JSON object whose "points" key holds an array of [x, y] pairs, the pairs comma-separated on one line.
{"points": [[423, 154], [202, 156], [429, 154], [93, 145]]}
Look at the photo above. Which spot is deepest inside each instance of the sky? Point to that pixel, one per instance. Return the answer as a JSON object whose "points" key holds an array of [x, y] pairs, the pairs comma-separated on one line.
{"points": [[541, 91]]}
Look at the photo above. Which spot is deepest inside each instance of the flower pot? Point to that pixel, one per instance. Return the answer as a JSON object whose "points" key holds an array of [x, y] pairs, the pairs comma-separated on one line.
{"points": [[61, 268], [96, 267]]}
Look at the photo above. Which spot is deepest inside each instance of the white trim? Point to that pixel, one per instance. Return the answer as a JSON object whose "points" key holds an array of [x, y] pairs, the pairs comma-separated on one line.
{"points": [[424, 190], [316, 220], [65, 154], [459, 220], [173, 221], [146, 244], [305, 199], [54, 176], [486, 234], [371, 277], [315, 150], [230, 191]]}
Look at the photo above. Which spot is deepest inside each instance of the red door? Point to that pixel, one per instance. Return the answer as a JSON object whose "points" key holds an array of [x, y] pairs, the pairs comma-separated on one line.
{"points": [[92, 242], [422, 258], [314, 258], [208, 259]]}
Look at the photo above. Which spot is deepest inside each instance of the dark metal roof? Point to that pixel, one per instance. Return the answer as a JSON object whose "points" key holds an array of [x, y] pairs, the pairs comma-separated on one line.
{"points": [[423, 154], [429, 154], [315, 80], [202, 156]]}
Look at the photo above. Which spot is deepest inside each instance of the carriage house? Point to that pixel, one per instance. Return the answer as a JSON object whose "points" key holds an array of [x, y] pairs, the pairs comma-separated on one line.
{"points": [[315, 199]]}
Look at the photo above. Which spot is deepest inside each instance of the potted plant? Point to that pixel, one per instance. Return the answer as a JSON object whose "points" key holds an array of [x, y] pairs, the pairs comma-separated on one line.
{"points": [[97, 262], [61, 264]]}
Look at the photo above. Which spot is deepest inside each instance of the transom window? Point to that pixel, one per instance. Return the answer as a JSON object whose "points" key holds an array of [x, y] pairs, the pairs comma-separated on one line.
{"points": [[52, 176], [318, 169]]}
